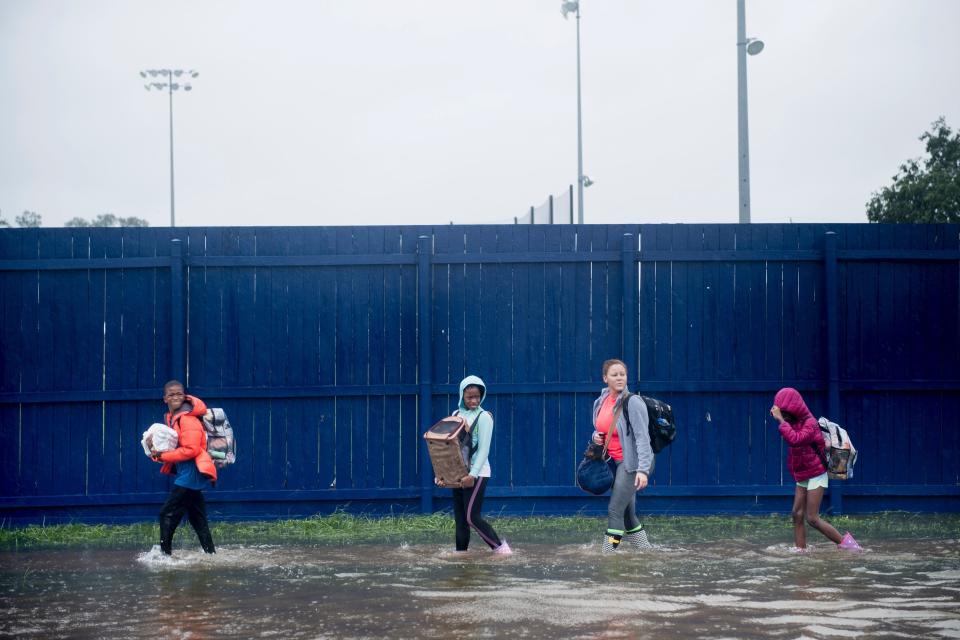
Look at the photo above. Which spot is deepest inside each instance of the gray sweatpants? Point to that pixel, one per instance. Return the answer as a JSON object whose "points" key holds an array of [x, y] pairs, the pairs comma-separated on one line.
{"points": [[622, 510]]}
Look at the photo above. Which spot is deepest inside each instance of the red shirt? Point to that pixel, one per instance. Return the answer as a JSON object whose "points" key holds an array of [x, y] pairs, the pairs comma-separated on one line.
{"points": [[605, 422]]}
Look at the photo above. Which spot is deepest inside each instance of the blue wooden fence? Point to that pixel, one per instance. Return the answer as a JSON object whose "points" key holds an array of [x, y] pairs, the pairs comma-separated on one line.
{"points": [[311, 338]]}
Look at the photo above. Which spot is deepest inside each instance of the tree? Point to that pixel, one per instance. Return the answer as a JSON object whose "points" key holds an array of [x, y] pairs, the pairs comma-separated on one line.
{"points": [[927, 192], [28, 219], [132, 221], [107, 220]]}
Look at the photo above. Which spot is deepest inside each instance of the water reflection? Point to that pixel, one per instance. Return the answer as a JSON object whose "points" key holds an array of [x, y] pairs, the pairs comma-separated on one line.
{"points": [[708, 590]]}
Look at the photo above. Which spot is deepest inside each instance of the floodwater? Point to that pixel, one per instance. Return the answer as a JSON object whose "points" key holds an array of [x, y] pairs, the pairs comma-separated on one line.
{"points": [[724, 589]]}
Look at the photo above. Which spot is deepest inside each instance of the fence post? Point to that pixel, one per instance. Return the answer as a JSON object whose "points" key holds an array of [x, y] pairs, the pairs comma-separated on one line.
{"points": [[628, 264], [833, 350], [424, 311], [178, 328]]}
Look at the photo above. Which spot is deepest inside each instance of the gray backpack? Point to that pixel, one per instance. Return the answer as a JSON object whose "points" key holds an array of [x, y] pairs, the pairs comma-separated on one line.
{"points": [[221, 444], [839, 455]]}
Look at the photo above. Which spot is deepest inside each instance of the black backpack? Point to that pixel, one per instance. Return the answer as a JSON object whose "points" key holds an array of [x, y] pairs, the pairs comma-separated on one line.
{"points": [[466, 437], [663, 429]]}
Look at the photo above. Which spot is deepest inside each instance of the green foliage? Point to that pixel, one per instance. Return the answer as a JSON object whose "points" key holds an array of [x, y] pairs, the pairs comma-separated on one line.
{"points": [[924, 192], [29, 219], [34, 219], [108, 220], [26, 219]]}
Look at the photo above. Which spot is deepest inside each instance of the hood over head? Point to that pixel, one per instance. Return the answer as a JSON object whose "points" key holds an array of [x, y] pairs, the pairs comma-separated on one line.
{"points": [[789, 399], [470, 381]]}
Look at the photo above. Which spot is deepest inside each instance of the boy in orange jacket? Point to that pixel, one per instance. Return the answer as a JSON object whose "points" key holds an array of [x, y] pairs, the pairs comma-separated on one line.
{"points": [[190, 463]]}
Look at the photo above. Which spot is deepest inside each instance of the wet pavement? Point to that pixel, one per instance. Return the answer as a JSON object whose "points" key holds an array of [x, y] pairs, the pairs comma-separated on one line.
{"points": [[723, 589]]}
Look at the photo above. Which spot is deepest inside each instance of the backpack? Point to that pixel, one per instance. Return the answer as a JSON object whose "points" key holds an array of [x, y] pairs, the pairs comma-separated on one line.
{"points": [[466, 438], [221, 445], [661, 425], [839, 447]]}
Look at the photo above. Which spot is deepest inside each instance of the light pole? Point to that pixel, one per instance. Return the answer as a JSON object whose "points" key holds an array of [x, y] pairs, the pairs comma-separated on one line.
{"points": [[170, 83], [752, 46], [573, 6]]}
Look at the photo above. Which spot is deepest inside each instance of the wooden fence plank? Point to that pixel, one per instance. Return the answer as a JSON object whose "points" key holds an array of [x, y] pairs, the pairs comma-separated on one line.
{"points": [[555, 469], [14, 316], [810, 338], [444, 315], [201, 354], [647, 307]]}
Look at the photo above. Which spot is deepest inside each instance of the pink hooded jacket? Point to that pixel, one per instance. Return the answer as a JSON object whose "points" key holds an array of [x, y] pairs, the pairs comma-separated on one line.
{"points": [[802, 461]]}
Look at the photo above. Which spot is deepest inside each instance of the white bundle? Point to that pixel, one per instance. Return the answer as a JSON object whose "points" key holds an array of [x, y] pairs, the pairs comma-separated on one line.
{"points": [[163, 438]]}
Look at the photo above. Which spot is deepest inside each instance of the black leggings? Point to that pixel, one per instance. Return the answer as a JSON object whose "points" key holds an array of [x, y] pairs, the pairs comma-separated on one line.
{"points": [[467, 504], [190, 501]]}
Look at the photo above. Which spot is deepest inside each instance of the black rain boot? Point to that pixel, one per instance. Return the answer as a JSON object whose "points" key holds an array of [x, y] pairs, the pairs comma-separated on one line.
{"points": [[167, 528], [206, 540]]}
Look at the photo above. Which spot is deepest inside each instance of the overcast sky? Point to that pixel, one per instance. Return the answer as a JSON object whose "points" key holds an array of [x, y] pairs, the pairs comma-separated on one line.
{"points": [[425, 111]]}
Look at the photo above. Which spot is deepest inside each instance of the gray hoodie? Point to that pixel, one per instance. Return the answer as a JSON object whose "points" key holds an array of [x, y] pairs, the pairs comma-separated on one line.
{"points": [[637, 454]]}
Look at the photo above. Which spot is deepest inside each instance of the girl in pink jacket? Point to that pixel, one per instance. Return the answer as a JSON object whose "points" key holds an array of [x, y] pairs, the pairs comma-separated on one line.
{"points": [[805, 455]]}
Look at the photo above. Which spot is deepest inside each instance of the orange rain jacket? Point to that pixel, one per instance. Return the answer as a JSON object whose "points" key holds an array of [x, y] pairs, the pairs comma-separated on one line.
{"points": [[193, 439]]}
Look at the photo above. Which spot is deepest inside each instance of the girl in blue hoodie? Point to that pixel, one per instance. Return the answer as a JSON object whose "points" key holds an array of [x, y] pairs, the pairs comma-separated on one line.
{"points": [[468, 497]]}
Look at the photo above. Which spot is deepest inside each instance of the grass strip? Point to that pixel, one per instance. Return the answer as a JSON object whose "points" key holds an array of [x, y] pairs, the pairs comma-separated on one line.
{"points": [[347, 528]]}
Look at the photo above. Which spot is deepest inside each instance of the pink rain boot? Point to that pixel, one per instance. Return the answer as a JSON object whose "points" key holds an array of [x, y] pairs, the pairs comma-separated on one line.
{"points": [[504, 549], [848, 543]]}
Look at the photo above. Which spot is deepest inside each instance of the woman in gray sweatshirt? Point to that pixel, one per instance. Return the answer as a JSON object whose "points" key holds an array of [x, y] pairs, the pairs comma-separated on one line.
{"points": [[629, 448]]}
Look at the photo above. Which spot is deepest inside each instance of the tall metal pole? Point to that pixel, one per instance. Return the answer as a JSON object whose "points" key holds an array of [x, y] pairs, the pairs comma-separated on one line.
{"points": [[170, 85], [173, 222], [744, 145], [580, 128]]}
